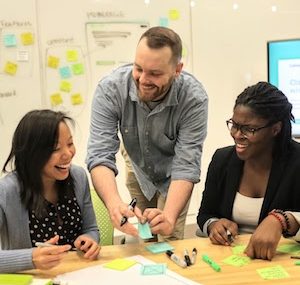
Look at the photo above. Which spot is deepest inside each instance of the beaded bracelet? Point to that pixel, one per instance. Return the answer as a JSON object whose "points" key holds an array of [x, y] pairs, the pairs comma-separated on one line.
{"points": [[281, 221], [283, 213]]}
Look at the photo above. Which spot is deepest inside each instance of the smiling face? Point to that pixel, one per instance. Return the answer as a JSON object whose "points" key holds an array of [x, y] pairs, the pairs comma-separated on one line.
{"points": [[259, 145], [154, 71], [58, 165]]}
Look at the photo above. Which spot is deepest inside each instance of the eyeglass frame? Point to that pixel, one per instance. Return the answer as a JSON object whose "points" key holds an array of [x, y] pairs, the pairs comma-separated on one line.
{"points": [[252, 130]]}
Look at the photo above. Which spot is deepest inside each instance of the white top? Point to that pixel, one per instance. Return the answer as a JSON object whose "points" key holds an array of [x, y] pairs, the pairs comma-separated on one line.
{"points": [[246, 211]]}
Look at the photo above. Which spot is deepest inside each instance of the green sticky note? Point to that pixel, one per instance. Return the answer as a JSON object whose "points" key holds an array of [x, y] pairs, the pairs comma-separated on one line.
{"points": [[120, 264], [237, 260], [15, 279], [144, 231], [154, 269], [159, 247], [271, 273], [77, 69], [288, 248], [238, 249]]}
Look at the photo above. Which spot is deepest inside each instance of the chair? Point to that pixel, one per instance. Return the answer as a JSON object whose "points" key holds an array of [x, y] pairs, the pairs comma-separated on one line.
{"points": [[103, 220]]}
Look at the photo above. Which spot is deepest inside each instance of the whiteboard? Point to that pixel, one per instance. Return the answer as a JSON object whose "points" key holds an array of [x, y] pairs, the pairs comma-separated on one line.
{"points": [[74, 43]]}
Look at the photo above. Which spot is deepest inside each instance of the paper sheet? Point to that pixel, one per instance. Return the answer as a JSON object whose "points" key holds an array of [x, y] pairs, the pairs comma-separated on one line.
{"points": [[132, 275]]}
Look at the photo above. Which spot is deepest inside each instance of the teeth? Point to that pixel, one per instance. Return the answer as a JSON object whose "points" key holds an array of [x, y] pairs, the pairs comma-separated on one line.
{"points": [[241, 145], [64, 165]]}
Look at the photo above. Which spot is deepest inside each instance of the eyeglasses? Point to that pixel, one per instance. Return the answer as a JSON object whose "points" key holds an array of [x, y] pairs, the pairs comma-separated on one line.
{"points": [[246, 130]]}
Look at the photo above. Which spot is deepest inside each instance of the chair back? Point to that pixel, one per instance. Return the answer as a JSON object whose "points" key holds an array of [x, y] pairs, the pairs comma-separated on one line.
{"points": [[103, 220]]}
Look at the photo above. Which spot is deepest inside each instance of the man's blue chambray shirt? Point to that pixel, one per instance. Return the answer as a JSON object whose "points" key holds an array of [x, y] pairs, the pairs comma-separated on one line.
{"points": [[163, 144]]}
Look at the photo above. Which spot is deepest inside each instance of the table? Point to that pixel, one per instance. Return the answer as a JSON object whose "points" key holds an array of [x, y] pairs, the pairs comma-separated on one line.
{"points": [[200, 272]]}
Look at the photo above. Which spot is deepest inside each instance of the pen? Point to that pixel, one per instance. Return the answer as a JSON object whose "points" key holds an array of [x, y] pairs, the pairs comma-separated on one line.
{"points": [[130, 207], [211, 263], [176, 259], [229, 236], [45, 244], [194, 256], [295, 256], [187, 257]]}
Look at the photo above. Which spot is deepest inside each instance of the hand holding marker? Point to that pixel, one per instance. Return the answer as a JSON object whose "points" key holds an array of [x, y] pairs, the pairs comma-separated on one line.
{"points": [[130, 207]]}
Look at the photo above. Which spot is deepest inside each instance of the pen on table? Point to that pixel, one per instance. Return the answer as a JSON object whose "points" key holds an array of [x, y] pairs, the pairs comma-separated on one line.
{"points": [[229, 236], [130, 207], [211, 263], [187, 257], [176, 259], [45, 244], [194, 256], [295, 256]]}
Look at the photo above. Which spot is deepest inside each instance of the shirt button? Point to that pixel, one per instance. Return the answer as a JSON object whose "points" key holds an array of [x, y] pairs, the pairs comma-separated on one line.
{"points": [[147, 133], [149, 167], [126, 131]]}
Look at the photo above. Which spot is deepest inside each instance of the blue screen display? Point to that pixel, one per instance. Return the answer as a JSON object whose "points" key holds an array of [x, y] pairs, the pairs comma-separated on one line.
{"points": [[284, 72]]}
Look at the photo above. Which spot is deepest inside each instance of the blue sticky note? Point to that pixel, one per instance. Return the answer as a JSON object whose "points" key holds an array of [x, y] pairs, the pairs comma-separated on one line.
{"points": [[154, 269], [10, 40], [163, 22], [144, 231], [65, 72], [159, 247]]}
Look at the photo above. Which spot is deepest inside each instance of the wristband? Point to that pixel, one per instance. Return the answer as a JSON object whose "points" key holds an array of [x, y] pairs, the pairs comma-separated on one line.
{"points": [[281, 221]]}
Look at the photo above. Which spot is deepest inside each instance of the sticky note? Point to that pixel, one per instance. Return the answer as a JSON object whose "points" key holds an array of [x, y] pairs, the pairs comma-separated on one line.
{"points": [[72, 55], [65, 86], [120, 264], [10, 68], [174, 14], [271, 273], [53, 61], [288, 248], [153, 269], [22, 55], [238, 249], [144, 231], [15, 279], [10, 40], [27, 39], [163, 22], [76, 99], [65, 72], [56, 99], [159, 247], [77, 68], [237, 260]]}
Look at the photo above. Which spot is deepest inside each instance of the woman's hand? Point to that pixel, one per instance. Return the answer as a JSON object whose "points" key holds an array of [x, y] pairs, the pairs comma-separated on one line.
{"points": [[218, 231], [87, 245], [48, 257], [264, 240]]}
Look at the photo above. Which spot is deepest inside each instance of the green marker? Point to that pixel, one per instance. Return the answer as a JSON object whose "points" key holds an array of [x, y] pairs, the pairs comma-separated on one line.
{"points": [[212, 264], [297, 262]]}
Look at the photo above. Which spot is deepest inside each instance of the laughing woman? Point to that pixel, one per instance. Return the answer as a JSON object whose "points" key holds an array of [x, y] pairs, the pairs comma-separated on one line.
{"points": [[254, 186], [44, 198]]}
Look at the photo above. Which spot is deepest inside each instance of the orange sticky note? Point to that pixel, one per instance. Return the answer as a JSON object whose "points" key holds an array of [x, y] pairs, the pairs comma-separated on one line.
{"points": [[27, 39], [56, 99], [65, 86], [76, 99], [53, 61], [10, 68]]}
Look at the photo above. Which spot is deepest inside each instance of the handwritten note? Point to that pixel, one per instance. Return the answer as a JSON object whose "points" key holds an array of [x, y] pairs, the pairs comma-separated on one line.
{"points": [[27, 39], [159, 247], [76, 99], [65, 86], [174, 14], [289, 248], [237, 260], [144, 231], [56, 99], [238, 249], [10, 68], [53, 61], [65, 72], [120, 264], [10, 40], [154, 269], [271, 273], [77, 69], [72, 55]]}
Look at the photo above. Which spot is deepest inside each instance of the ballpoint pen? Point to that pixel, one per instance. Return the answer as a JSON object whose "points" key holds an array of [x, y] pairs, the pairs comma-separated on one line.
{"points": [[194, 256], [211, 263], [130, 207], [176, 259], [45, 244]]}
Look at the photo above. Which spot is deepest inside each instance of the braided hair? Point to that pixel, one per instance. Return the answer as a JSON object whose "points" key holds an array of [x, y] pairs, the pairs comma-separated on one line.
{"points": [[268, 102]]}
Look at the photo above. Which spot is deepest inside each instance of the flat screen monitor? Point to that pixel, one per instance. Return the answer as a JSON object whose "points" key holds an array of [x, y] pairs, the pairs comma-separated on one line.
{"points": [[284, 72]]}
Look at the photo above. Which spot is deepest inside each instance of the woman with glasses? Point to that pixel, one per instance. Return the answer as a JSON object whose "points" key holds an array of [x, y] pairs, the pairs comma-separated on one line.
{"points": [[254, 185]]}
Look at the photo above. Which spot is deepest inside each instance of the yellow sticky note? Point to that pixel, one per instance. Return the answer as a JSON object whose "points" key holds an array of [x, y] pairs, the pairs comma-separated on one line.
{"points": [[65, 86], [174, 14], [72, 55], [27, 39], [10, 68], [56, 99], [272, 273], [53, 61], [120, 264], [76, 99]]}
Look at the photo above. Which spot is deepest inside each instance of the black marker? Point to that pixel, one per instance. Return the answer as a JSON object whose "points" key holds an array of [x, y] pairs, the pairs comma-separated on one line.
{"points": [[194, 255], [130, 207], [187, 257], [176, 259], [229, 236]]}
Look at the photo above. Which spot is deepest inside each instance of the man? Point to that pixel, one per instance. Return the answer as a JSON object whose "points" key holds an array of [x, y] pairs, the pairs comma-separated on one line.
{"points": [[161, 112]]}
